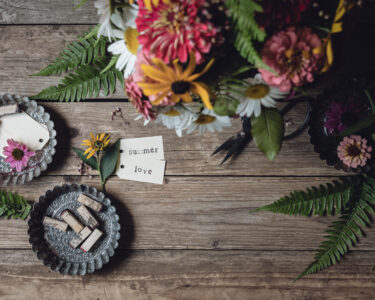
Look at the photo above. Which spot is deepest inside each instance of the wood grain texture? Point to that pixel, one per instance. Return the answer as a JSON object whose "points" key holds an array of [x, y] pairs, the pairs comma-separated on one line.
{"points": [[25, 50], [46, 12], [190, 155], [191, 275], [196, 213]]}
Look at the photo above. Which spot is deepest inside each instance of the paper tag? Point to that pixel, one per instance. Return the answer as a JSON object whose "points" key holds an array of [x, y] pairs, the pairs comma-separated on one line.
{"points": [[8, 109], [144, 170], [147, 147], [23, 129]]}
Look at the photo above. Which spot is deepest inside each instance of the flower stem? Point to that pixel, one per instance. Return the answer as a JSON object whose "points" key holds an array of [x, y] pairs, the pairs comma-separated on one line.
{"points": [[99, 170]]}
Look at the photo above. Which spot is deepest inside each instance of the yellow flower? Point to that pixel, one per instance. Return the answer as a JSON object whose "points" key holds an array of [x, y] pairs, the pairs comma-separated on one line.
{"points": [[96, 144], [180, 84], [154, 2]]}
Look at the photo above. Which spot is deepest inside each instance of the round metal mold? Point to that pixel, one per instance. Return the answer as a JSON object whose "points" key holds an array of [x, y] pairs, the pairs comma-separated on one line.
{"points": [[52, 245], [39, 162]]}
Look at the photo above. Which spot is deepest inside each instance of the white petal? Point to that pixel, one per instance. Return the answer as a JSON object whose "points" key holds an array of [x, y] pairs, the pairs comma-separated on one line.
{"points": [[257, 109]]}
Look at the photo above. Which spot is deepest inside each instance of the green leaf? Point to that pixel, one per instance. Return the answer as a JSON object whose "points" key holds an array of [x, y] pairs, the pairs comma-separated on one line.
{"points": [[246, 30], [226, 106], [268, 131], [345, 233], [79, 4], [87, 50], [86, 82], [109, 161], [13, 206], [111, 63], [92, 161], [325, 199], [361, 124]]}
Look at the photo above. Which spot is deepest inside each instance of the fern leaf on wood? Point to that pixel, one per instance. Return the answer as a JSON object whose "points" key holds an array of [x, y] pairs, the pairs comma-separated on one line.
{"points": [[319, 200], [13, 206], [85, 83], [81, 53], [344, 233]]}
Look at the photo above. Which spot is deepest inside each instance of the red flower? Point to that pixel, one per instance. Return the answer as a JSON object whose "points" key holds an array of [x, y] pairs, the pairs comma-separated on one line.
{"points": [[281, 13], [174, 30]]}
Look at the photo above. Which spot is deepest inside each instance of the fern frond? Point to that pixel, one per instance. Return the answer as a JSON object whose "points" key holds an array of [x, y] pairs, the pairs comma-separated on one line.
{"points": [[79, 53], [247, 29], [13, 206], [325, 199], [85, 83], [344, 233]]}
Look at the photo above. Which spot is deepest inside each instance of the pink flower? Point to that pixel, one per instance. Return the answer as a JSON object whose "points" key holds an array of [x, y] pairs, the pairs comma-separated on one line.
{"points": [[294, 55], [353, 151], [342, 115], [17, 155], [136, 97], [173, 30]]}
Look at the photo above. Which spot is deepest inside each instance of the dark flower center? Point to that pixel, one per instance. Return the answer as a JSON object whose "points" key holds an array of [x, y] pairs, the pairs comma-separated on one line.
{"points": [[18, 154], [180, 87], [348, 118], [98, 145], [353, 151]]}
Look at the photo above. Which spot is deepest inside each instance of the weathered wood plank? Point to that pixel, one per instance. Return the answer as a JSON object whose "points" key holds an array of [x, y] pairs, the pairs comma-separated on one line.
{"points": [[191, 275], [189, 155], [196, 213], [46, 12]]}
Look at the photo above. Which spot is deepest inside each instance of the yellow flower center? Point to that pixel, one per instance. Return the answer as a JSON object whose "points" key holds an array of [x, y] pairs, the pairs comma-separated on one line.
{"points": [[131, 40], [204, 119], [172, 113], [257, 91]]}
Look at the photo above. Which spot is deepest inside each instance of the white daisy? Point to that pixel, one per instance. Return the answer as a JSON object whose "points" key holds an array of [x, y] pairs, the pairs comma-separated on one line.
{"points": [[127, 44], [258, 93], [105, 11], [145, 120], [208, 120], [175, 117]]}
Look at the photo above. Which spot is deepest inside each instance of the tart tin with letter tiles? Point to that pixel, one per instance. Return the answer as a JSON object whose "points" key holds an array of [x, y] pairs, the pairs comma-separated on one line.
{"points": [[52, 245]]}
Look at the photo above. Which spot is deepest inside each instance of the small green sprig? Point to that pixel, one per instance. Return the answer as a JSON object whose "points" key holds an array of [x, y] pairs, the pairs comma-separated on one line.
{"points": [[13, 206]]}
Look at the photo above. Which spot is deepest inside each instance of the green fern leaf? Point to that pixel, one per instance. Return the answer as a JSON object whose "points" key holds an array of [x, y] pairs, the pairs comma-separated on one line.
{"points": [[322, 200], [345, 233], [13, 206], [81, 53], [247, 30], [85, 83]]}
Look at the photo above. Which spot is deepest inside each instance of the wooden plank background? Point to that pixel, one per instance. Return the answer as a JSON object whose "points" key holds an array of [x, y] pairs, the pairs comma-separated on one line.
{"points": [[191, 238]]}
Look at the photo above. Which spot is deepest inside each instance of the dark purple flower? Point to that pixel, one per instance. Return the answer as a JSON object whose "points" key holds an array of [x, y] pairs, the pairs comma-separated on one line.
{"points": [[342, 115]]}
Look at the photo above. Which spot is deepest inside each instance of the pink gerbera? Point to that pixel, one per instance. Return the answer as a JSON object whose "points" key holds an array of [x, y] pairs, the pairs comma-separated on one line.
{"points": [[17, 155], [173, 30], [353, 151], [136, 97], [294, 54]]}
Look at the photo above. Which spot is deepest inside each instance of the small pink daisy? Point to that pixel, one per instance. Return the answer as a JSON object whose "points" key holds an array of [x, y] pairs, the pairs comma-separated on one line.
{"points": [[353, 151], [17, 155]]}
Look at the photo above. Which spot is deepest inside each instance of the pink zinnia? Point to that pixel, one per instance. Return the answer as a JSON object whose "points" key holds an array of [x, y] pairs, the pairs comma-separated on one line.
{"points": [[174, 30], [353, 151], [136, 97], [295, 56], [17, 155]]}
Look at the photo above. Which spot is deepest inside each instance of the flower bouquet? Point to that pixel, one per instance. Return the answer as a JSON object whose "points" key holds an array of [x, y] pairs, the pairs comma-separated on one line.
{"points": [[192, 65]]}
